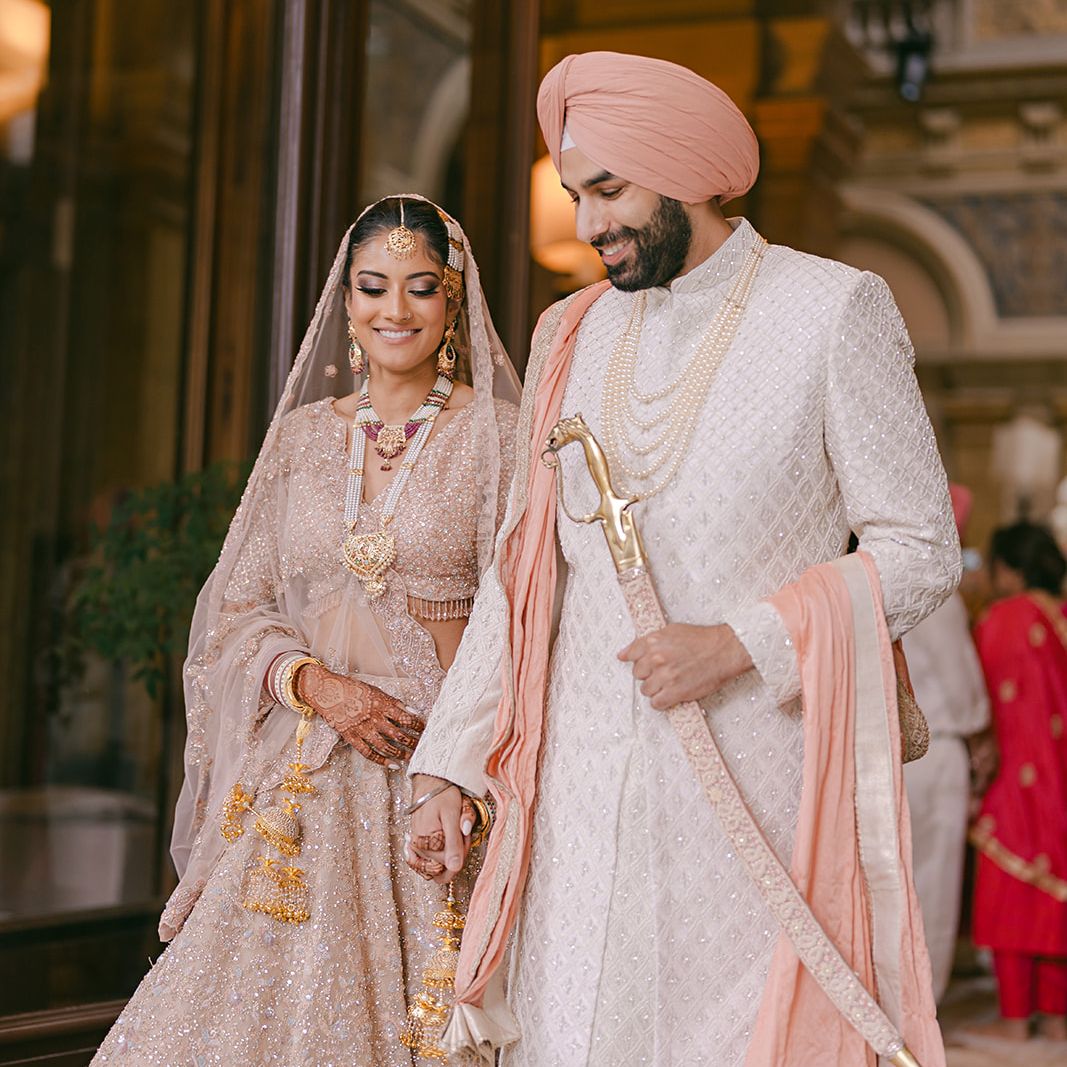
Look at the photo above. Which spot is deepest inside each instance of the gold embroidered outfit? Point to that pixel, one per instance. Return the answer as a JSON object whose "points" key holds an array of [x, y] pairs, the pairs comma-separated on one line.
{"points": [[235, 986]]}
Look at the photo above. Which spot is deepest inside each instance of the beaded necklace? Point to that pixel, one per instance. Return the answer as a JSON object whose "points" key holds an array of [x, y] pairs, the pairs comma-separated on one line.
{"points": [[370, 555], [389, 441], [687, 394]]}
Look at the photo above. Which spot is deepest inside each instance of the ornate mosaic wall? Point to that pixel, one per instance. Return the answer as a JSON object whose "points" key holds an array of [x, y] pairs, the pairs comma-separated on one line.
{"points": [[1021, 240]]}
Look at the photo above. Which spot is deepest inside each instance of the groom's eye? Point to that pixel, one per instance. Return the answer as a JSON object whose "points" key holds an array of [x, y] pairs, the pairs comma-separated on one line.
{"points": [[610, 194]]}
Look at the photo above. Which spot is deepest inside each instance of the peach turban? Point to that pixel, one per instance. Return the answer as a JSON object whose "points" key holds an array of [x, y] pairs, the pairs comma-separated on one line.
{"points": [[653, 123]]}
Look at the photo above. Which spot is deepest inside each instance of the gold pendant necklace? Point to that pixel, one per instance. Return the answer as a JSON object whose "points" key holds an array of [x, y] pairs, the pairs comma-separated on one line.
{"points": [[370, 555]]}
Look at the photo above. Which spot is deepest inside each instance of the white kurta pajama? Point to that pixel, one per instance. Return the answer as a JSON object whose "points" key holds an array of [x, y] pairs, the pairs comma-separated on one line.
{"points": [[947, 678], [640, 939]]}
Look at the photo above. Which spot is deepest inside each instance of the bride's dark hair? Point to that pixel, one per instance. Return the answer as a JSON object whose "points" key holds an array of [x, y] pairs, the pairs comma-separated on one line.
{"points": [[419, 217]]}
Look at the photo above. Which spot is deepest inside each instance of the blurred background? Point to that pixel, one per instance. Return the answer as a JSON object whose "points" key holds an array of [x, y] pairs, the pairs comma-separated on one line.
{"points": [[174, 180]]}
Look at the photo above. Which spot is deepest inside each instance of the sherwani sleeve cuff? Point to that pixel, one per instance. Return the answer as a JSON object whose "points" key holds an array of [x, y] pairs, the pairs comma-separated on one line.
{"points": [[760, 629], [455, 744], [463, 761]]}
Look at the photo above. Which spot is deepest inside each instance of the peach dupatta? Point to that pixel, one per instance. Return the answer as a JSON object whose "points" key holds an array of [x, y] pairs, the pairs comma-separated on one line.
{"points": [[852, 853], [481, 1019]]}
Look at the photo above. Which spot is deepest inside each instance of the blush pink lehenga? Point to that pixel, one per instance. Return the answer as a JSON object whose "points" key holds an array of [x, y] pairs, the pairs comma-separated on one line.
{"points": [[235, 986]]}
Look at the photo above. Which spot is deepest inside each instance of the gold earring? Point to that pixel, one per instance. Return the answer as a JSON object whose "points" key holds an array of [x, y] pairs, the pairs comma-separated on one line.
{"points": [[355, 353], [446, 354]]}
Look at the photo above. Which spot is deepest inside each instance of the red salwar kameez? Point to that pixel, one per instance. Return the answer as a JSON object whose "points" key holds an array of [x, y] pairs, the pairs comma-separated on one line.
{"points": [[1020, 902]]}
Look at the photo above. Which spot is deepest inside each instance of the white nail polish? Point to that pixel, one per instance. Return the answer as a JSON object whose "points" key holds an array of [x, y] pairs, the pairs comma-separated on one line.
{"points": [[394, 766], [466, 826]]}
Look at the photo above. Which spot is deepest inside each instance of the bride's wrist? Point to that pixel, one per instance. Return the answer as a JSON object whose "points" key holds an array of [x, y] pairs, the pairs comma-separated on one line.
{"points": [[288, 677]]}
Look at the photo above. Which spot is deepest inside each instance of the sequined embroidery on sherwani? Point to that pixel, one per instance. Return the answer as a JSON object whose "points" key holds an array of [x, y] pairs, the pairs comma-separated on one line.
{"points": [[236, 987], [640, 939]]}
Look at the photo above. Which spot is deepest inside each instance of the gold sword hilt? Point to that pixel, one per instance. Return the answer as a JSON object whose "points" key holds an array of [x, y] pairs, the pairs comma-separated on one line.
{"points": [[613, 512]]}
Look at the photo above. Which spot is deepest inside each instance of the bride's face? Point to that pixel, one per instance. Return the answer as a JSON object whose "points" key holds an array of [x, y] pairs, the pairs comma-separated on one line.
{"points": [[398, 306]]}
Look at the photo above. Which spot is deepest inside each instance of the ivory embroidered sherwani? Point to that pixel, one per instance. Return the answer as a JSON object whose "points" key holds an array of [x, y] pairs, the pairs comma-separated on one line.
{"points": [[640, 939]]}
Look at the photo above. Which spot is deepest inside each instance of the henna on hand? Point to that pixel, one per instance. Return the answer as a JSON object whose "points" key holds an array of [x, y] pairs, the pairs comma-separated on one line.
{"points": [[429, 869], [372, 722], [435, 842], [439, 820]]}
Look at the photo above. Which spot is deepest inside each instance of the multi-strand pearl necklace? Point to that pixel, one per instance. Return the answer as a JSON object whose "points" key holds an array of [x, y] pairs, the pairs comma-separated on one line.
{"points": [[390, 440], [370, 555], [672, 427]]}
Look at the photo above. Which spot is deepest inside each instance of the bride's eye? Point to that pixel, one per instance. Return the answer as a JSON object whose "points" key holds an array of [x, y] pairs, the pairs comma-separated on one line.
{"points": [[369, 290]]}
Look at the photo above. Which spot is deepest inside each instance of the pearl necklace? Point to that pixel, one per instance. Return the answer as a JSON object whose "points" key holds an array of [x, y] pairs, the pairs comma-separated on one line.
{"points": [[687, 394], [370, 555]]}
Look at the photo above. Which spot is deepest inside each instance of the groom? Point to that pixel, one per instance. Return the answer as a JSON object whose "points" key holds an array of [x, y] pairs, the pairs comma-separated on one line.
{"points": [[761, 404]]}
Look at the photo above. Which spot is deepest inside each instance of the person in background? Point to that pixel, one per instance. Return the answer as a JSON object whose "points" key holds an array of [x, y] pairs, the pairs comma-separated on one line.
{"points": [[1020, 900], [949, 687]]}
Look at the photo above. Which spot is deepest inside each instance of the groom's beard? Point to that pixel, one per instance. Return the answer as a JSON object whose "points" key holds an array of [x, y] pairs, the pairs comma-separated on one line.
{"points": [[660, 248]]}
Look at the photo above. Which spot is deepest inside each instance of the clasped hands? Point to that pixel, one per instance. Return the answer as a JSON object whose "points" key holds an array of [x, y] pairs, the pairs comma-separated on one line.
{"points": [[375, 724], [678, 663]]}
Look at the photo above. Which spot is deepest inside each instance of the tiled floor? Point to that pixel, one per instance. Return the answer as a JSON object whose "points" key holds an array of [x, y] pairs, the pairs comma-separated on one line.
{"points": [[973, 1000]]}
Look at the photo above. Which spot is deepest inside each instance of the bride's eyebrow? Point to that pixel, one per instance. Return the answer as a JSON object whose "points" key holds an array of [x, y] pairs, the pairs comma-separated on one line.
{"points": [[410, 277]]}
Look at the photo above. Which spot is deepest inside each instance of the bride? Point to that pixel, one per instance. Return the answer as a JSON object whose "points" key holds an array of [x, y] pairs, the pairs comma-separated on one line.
{"points": [[317, 648]]}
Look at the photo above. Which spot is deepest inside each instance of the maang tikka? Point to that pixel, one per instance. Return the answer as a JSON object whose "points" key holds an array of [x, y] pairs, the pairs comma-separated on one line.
{"points": [[355, 353], [400, 243]]}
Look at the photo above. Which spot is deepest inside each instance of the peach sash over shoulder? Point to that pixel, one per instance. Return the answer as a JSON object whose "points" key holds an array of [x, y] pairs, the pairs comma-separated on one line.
{"points": [[852, 853], [527, 565]]}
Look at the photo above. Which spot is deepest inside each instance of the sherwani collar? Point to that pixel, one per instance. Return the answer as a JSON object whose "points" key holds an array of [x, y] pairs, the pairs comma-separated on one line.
{"points": [[717, 270]]}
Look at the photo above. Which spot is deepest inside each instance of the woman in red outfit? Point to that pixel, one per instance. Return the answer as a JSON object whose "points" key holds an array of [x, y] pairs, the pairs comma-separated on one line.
{"points": [[1020, 905]]}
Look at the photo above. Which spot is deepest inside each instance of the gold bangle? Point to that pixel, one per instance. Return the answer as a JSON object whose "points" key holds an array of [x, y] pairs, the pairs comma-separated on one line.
{"points": [[287, 686], [483, 810]]}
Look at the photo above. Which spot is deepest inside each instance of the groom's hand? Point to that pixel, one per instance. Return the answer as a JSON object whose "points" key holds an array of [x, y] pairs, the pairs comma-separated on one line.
{"points": [[683, 662], [440, 831]]}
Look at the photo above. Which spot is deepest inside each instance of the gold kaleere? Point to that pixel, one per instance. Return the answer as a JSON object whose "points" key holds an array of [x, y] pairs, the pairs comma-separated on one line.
{"points": [[297, 780], [278, 891], [273, 887], [280, 827], [237, 803], [428, 1010]]}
